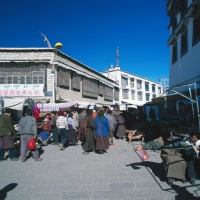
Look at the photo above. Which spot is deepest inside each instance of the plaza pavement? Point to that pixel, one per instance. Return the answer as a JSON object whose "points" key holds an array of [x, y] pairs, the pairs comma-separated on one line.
{"points": [[118, 174]]}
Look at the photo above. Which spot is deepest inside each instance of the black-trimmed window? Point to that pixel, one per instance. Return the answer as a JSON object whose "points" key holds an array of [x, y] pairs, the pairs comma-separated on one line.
{"points": [[174, 53], [25, 80], [63, 77], [75, 84], [116, 94], [125, 93], [139, 96], [159, 90], [153, 88], [90, 87], [132, 94], [139, 84], [12, 80], [132, 82], [124, 81], [2, 80], [146, 86], [101, 89], [184, 43], [108, 93], [147, 97], [196, 30]]}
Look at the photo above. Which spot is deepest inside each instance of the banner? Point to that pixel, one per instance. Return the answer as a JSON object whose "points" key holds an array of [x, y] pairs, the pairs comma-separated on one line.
{"points": [[29, 90]]}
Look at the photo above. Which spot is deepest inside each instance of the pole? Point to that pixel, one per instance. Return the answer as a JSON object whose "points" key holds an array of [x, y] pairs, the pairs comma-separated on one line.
{"points": [[53, 85]]}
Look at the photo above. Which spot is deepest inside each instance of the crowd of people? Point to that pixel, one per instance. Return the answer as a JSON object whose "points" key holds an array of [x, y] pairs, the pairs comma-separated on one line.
{"points": [[95, 131]]}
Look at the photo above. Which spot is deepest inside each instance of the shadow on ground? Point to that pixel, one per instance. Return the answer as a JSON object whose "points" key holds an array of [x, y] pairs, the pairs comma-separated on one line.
{"points": [[157, 168], [6, 189]]}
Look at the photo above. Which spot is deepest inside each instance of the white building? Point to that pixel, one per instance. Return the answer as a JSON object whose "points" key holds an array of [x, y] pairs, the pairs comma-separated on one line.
{"points": [[133, 89], [184, 41], [47, 74]]}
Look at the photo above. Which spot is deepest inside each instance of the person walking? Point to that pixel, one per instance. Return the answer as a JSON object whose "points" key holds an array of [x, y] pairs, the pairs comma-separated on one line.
{"points": [[7, 132], [82, 116], [28, 130], [62, 125], [121, 130], [112, 123], [54, 128], [102, 129], [72, 139], [88, 143]]}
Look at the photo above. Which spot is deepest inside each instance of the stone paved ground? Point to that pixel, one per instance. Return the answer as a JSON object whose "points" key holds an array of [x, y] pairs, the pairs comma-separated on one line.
{"points": [[68, 174]]}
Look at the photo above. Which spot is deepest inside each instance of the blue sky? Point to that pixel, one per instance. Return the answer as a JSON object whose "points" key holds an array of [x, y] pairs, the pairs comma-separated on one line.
{"points": [[91, 31]]}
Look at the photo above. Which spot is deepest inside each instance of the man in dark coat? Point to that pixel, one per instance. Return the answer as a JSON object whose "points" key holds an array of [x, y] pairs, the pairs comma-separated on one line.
{"points": [[7, 132]]}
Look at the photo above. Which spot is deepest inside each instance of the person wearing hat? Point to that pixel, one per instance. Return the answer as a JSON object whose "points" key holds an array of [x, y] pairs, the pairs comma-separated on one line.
{"points": [[7, 132], [46, 128]]}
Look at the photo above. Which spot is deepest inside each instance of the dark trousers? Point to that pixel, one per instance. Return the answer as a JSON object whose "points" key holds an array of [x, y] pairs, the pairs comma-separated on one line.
{"points": [[11, 153], [55, 134], [63, 135], [191, 169]]}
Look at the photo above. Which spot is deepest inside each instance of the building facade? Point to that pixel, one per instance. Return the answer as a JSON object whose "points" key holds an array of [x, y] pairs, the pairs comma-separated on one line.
{"points": [[184, 41], [46, 74], [134, 90]]}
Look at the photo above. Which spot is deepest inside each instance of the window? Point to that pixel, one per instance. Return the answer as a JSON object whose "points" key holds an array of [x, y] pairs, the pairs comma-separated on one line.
{"points": [[154, 95], [63, 77], [132, 82], [147, 97], [153, 88], [159, 90], [101, 89], [108, 93], [173, 21], [38, 77], [15, 79], [116, 94], [183, 7], [90, 87], [184, 43], [196, 30], [146, 86], [139, 95], [174, 53], [9, 79], [75, 84], [2, 80], [139, 84], [125, 93], [124, 81], [132, 94]]}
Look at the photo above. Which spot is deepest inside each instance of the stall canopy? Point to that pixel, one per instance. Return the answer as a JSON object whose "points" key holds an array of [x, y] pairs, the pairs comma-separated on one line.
{"points": [[188, 91]]}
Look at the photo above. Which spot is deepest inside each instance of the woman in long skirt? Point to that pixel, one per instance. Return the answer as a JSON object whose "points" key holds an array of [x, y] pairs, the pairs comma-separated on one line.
{"points": [[102, 129]]}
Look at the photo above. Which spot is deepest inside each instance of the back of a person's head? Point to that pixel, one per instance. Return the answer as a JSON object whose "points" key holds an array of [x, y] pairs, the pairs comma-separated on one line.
{"points": [[109, 112], [101, 113], [60, 113], [70, 114], [28, 112], [89, 112], [7, 110]]}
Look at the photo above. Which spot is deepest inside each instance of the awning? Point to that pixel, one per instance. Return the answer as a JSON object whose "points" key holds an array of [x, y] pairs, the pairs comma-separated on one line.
{"points": [[168, 98]]}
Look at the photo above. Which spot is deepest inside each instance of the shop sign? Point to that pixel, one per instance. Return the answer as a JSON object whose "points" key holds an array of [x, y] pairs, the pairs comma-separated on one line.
{"points": [[33, 90]]}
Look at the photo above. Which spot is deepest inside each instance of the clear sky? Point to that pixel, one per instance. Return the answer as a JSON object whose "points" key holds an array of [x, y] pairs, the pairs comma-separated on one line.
{"points": [[91, 31]]}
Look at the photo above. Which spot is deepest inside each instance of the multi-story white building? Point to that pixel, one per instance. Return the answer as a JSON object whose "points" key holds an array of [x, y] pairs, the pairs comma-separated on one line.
{"points": [[133, 89], [184, 41]]}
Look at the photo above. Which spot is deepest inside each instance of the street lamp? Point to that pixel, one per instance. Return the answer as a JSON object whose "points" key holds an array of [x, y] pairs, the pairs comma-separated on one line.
{"points": [[58, 45]]}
